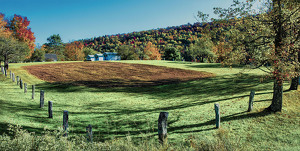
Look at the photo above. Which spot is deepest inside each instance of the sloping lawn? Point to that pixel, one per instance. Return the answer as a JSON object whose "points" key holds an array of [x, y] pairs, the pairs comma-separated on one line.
{"points": [[121, 111]]}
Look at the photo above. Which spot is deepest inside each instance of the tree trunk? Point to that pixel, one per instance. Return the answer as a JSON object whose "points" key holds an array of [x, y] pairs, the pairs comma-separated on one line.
{"points": [[277, 96], [295, 83], [278, 83]]}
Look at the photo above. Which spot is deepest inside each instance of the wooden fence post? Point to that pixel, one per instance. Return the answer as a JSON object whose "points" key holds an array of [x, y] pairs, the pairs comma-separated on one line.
{"points": [[13, 77], [25, 87], [50, 104], [250, 107], [10, 74], [41, 99], [33, 90], [217, 110], [18, 80], [65, 122], [21, 83], [89, 133], [162, 127], [2, 69]]}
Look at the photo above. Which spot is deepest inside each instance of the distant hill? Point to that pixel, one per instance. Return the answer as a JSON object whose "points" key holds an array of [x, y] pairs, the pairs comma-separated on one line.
{"points": [[179, 37]]}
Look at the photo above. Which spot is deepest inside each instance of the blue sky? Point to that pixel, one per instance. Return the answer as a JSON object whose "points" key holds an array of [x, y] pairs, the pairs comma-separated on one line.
{"points": [[80, 19]]}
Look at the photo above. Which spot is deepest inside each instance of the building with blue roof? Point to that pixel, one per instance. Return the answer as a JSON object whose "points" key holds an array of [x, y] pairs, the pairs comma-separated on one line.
{"points": [[110, 56]]}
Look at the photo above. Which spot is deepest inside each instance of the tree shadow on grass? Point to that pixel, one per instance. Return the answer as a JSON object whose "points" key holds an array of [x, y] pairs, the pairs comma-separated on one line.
{"points": [[122, 111], [236, 116], [137, 127], [217, 86], [7, 108], [114, 83], [4, 129], [134, 127]]}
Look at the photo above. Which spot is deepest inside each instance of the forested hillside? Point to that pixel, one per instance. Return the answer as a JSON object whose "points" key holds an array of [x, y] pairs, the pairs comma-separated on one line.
{"points": [[183, 38]]}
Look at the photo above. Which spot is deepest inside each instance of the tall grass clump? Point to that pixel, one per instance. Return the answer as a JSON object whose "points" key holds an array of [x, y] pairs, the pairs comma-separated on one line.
{"points": [[20, 139]]}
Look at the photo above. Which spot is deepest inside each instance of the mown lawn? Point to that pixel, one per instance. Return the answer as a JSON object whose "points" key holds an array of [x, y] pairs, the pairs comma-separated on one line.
{"points": [[131, 111]]}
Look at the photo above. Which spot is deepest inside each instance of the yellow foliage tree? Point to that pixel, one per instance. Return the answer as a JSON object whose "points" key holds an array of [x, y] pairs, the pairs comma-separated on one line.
{"points": [[74, 51], [4, 32], [152, 52]]}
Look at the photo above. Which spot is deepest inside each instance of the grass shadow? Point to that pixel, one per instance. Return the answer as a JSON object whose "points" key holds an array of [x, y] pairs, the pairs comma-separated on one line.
{"points": [[232, 117]]}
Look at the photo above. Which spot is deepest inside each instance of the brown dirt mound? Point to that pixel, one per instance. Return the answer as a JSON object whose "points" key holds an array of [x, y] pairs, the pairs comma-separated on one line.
{"points": [[112, 74]]}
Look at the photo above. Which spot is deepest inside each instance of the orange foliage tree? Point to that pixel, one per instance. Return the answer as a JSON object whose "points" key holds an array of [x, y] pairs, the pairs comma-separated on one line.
{"points": [[152, 52], [74, 51], [4, 32], [222, 50], [20, 30]]}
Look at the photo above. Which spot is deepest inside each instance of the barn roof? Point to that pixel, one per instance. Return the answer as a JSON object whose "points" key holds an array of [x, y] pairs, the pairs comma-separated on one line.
{"points": [[91, 56]]}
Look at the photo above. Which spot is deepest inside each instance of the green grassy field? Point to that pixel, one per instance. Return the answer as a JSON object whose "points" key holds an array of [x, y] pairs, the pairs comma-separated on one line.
{"points": [[122, 112]]}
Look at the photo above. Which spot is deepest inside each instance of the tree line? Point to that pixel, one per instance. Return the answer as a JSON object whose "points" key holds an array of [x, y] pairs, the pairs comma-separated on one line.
{"points": [[197, 42]]}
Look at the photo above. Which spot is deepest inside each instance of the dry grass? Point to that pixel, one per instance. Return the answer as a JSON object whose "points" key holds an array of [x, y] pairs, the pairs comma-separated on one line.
{"points": [[112, 74]]}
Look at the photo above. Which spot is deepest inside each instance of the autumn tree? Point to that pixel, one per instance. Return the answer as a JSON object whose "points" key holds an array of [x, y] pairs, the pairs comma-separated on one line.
{"points": [[221, 50], [151, 52], [74, 51], [270, 36], [20, 30], [11, 49], [4, 32]]}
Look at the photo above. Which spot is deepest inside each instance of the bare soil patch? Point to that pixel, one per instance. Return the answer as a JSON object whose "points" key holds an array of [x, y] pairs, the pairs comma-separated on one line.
{"points": [[112, 74]]}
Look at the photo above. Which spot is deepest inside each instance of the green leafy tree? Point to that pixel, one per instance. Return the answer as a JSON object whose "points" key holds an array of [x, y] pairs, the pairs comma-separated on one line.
{"points": [[140, 53], [202, 50], [270, 36], [171, 53], [127, 52], [38, 55], [13, 50], [88, 51], [56, 46], [54, 41]]}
